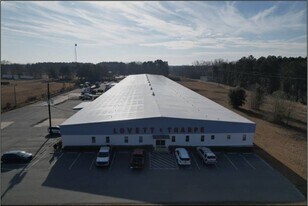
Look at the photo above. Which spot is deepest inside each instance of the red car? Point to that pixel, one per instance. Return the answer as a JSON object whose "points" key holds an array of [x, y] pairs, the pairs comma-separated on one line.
{"points": [[137, 161]]}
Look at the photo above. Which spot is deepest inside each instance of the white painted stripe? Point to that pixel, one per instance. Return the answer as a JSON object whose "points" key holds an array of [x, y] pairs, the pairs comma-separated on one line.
{"points": [[150, 157], [74, 161], [263, 161], [195, 161], [89, 152], [230, 161], [247, 162], [92, 163], [38, 159], [113, 159], [54, 162]]}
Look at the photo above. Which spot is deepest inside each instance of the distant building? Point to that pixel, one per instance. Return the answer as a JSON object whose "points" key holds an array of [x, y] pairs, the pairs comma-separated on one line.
{"points": [[152, 110]]}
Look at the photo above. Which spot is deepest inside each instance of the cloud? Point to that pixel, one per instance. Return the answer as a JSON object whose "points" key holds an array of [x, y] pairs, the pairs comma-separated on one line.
{"points": [[169, 26]]}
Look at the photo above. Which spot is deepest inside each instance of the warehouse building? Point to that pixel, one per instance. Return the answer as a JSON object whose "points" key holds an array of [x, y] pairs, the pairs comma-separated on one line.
{"points": [[153, 110]]}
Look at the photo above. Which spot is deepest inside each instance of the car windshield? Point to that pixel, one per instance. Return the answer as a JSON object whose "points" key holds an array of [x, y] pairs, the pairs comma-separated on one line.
{"points": [[23, 154], [103, 154], [184, 158]]}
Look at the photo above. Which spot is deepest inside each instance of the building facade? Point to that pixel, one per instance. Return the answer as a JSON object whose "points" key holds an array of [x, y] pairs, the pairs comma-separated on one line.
{"points": [[152, 110]]}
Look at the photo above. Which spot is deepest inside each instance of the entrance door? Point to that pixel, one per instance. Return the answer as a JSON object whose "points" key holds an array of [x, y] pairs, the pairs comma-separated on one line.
{"points": [[160, 143]]}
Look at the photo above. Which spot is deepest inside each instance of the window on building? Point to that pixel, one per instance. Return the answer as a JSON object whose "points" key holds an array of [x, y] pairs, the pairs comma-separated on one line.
{"points": [[140, 139], [107, 140], [244, 137], [126, 139], [202, 138], [173, 139], [93, 140], [187, 138], [212, 136], [228, 136]]}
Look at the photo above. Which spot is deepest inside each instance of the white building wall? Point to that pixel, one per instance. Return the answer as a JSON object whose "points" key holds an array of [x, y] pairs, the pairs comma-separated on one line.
{"points": [[221, 139]]}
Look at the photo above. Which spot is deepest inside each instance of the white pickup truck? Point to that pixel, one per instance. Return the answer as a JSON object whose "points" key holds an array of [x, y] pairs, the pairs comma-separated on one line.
{"points": [[207, 156]]}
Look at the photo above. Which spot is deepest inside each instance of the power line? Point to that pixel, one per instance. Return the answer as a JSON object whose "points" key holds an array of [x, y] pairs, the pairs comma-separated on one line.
{"points": [[262, 75]]}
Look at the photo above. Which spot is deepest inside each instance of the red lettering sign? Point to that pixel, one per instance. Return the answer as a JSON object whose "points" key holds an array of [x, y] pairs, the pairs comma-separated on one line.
{"points": [[152, 130], [175, 130], [145, 130], [122, 130], [114, 131], [195, 129], [169, 129], [129, 130], [137, 130], [189, 130], [182, 130], [202, 129]]}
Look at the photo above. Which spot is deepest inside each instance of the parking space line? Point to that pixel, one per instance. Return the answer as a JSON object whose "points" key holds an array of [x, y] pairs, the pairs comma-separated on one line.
{"points": [[150, 165], [74, 161], [230, 161], [247, 162], [38, 159], [54, 162], [176, 162], [113, 158], [92, 163], [195, 161], [89, 152], [264, 161]]}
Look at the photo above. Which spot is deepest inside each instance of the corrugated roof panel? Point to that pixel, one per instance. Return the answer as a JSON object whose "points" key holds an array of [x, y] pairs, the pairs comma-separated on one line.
{"points": [[133, 98]]}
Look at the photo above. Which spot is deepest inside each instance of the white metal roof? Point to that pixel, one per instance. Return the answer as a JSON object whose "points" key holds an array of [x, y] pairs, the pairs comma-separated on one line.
{"points": [[81, 105], [148, 96]]}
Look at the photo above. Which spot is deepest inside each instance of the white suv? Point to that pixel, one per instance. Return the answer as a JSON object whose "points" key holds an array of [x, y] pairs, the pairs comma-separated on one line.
{"points": [[103, 156], [207, 156], [182, 156]]}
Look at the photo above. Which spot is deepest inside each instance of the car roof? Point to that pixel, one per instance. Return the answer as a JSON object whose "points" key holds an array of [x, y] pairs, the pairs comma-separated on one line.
{"points": [[183, 152], [104, 149], [138, 151], [205, 149], [14, 152]]}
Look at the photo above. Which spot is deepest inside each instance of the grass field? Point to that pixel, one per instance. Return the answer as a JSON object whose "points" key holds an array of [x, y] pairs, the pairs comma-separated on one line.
{"points": [[28, 91], [288, 144]]}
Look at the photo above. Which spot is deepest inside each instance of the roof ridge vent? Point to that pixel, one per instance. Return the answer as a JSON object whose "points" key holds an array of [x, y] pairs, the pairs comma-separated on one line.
{"points": [[153, 94], [151, 88]]}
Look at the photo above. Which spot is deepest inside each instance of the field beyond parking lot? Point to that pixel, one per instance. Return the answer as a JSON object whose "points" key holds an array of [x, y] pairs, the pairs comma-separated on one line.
{"points": [[286, 144]]}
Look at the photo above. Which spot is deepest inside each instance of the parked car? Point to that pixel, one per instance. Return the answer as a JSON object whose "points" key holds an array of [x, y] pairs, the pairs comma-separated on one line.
{"points": [[103, 157], [54, 130], [182, 156], [137, 160], [207, 156], [16, 157]]}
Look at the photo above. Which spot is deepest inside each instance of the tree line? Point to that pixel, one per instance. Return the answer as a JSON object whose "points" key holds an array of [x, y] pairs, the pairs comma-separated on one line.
{"points": [[85, 71], [286, 74]]}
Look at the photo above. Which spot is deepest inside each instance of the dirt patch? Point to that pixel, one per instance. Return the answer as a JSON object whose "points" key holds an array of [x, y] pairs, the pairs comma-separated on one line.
{"points": [[28, 91], [287, 144]]}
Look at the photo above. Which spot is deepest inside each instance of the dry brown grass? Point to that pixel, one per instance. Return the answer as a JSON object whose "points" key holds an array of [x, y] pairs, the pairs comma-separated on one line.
{"points": [[28, 91], [288, 144]]}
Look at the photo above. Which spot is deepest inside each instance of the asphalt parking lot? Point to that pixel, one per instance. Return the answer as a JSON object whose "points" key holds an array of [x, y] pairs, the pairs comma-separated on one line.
{"points": [[71, 177]]}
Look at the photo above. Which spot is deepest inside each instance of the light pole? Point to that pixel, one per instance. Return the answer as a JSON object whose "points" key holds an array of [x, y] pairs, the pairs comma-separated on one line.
{"points": [[48, 100]]}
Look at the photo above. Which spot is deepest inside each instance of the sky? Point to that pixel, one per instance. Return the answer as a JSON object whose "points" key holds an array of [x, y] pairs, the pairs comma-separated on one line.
{"points": [[179, 32]]}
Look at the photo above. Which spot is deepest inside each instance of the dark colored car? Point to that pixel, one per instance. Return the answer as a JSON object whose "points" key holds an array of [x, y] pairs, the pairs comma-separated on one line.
{"points": [[16, 157], [137, 160]]}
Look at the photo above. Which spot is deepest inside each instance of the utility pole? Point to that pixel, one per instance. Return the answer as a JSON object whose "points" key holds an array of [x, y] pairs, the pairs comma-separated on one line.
{"points": [[75, 53], [48, 100], [15, 95]]}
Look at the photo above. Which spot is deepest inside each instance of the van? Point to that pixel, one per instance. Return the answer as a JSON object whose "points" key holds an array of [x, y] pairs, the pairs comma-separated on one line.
{"points": [[103, 157], [207, 156]]}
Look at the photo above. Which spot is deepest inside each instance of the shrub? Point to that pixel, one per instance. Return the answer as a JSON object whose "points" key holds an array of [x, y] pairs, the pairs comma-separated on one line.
{"points": [[257, 97], [237, 97]]}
